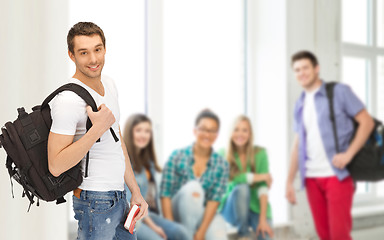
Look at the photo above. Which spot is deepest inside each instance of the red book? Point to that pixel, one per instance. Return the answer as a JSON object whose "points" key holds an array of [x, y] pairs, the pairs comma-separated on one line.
{"points": [[130, 222]]}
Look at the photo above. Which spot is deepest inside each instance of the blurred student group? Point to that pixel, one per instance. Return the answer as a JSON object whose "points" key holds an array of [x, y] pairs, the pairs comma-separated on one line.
{"points": [[194, 181], [208, 192]]}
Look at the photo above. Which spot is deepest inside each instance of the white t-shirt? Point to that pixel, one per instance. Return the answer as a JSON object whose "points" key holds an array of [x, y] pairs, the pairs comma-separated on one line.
{"points": [[106, 158], [317, 164]]}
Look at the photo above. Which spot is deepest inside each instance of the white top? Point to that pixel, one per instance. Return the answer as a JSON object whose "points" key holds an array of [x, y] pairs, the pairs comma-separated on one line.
{"points": [[317, 164], [106, 158]]}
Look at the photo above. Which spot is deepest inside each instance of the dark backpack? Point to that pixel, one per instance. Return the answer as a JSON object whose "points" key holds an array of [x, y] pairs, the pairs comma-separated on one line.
{"points": [[25, 142], [368, 163]]}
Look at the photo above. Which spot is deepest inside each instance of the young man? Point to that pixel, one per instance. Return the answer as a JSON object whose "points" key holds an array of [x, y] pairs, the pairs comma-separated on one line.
{"points": [[99, 203], [194, 181], [328, 184]]}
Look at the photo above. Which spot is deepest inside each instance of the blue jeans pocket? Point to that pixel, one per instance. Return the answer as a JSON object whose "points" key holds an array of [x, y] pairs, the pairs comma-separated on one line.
{"points": [[103, 206]]}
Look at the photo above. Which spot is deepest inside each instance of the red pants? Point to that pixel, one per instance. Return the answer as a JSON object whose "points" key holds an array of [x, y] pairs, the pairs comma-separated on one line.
{"points": [[331, 203]]}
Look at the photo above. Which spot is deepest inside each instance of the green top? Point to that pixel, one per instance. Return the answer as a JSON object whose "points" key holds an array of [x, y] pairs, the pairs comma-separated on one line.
{"points": [[261, 165]]}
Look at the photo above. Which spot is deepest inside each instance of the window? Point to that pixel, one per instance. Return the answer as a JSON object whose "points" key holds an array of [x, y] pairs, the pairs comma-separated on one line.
{"points": [[203, 67], [363, 66]]}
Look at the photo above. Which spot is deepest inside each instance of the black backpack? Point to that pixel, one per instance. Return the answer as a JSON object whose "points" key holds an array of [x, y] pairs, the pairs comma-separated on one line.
{"points": [[25, 142], [368, 163]]}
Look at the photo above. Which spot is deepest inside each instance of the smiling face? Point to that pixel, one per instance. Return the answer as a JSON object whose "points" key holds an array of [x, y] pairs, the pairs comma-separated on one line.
{"points": [[306, 73], [206, 132], [88, 56], [241, 134], [142, 134]]}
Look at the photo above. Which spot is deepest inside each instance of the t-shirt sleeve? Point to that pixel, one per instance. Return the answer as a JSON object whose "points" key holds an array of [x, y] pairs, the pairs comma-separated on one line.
{"points": [[66, 111], [352, 104], [295, 119]]}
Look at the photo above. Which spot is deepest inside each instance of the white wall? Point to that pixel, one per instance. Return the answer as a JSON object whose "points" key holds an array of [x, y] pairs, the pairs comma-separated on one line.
{"points": [[33, 62]]}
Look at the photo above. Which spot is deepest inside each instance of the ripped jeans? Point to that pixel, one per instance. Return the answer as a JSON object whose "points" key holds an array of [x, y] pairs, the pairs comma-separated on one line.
{"points": [[101, 215], [188, 209]]}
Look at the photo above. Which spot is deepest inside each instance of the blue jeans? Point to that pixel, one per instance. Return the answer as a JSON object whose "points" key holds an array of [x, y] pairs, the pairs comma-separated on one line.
{"points": [[188, 209], [173, 230], [101, 215], [236, 211]]}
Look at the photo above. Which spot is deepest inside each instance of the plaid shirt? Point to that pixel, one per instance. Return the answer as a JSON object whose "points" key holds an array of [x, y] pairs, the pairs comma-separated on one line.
{"points": [[178, 171]]}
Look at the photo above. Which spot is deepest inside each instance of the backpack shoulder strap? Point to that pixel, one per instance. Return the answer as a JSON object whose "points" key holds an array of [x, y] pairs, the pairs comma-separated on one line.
{"points": [[84, 94], [79, 90], [330, 89]]}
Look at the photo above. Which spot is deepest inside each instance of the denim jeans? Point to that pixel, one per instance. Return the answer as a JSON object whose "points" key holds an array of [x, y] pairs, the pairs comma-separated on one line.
{"points": [[236, 211], [101, 215], [188, 209], [173, 230]]}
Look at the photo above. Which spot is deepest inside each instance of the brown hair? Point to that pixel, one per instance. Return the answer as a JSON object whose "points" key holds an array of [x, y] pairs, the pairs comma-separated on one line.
{"points": [[305, 55], [85, 29], [146, 155], [250, 151]]}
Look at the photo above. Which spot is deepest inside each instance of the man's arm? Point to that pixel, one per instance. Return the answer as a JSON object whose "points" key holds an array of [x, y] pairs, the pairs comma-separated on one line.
{"points": [[63, 153], [366, 125], [209, 214], [290, 190], [166, 206], [130, 180]]}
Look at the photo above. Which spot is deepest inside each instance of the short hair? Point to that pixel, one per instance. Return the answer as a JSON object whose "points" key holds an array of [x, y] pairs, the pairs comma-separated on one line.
{"points": [[304, 55], [83, 29], [207, 113]]}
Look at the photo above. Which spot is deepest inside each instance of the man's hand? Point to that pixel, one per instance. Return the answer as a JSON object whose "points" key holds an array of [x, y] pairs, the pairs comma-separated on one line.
{"points": [[199, 235], [139, 200], [264, 229], [103, 119], [290, 194], [341, 160]]}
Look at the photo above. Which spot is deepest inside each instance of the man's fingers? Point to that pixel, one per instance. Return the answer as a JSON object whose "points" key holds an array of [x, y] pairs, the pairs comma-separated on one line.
{"points": [[292, 199], [101, 106], [140, 214], [89, 110]]}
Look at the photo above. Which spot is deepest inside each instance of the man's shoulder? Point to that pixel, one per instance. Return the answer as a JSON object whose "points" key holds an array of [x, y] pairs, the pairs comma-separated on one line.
{"points": [[343, 92], [341, 87], [68, 98]]}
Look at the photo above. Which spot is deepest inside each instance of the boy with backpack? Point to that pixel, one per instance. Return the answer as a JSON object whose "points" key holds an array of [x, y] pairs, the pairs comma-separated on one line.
{"points": [[328, 183], [99, 203]]}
